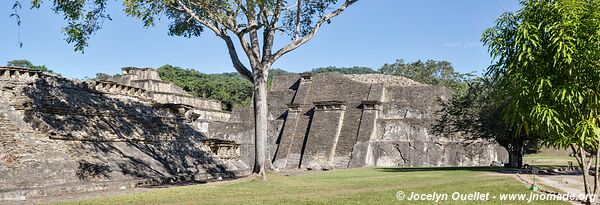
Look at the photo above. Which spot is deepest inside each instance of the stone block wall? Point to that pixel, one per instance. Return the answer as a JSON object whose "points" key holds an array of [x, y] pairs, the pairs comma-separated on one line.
{"points": [[387, 121], [140, 73], [158, 86], [61, 136], [322, 141], [162, 97], [162, 92]]}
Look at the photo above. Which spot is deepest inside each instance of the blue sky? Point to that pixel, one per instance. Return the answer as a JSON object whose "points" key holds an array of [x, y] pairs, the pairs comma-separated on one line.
{"points": [[370, 33]]}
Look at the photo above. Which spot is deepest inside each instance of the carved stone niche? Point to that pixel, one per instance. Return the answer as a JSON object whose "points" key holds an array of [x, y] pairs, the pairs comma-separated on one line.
{"points": [[294, 107], [179, 110], [224, 149], [371, 105], [306, 77], [330, 105]]}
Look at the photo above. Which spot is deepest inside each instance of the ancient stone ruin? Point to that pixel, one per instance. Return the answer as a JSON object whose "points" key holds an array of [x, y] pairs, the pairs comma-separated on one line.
{"points": [[67, 136], [344, 121]]}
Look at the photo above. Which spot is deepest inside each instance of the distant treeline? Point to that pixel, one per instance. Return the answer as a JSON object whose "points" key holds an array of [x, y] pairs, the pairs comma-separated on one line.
{"points": [[230, 88], [27, 64]]}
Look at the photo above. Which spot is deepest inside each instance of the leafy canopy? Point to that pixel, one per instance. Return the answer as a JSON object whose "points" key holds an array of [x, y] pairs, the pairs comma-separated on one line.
{"points": [[85, 17], [478, 112], [548, 58]]}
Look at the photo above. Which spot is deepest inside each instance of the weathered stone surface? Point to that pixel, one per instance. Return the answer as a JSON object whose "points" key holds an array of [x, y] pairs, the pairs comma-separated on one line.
{"points": [[387, 80], [287, 136], [60, 136], [386, 122], [149, 80], [67, 136], [322, 142]]}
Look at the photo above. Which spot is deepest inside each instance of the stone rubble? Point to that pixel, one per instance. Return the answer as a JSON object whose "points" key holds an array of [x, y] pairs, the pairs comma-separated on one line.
{"points": [[387, 80]]}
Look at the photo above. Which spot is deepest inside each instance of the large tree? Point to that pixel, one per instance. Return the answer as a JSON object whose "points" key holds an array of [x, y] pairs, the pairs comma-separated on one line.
{"points": [[548, 57], [254, 24]]}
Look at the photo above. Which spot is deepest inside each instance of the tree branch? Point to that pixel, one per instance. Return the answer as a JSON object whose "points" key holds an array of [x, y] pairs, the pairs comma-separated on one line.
{"points": [[276, 14], [251, 16], [298, 42], [248, 50], [297, 35], [237, 64], [269, 34]]}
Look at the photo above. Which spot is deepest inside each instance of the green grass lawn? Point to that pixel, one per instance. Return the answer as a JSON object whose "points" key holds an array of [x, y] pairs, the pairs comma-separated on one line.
{"points": [[351, 186], [549, 160]]}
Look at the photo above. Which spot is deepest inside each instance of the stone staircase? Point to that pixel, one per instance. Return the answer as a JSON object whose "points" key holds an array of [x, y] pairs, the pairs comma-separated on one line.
{"points": [[7, 133], [6, 127]]}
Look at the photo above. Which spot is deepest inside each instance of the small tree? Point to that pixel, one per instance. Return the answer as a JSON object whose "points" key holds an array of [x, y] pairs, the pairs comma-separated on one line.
{"points": [[478, 112], [255, 24], [548, 58]]}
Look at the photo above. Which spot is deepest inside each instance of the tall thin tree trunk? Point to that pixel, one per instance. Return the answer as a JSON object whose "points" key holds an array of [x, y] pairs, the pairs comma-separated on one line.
{"points": [[260, 125], [585, 168], [596, 174]]}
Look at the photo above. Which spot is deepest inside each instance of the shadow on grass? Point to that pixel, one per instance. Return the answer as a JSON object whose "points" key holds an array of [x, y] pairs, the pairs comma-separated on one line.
{"points": [[441, 169]]}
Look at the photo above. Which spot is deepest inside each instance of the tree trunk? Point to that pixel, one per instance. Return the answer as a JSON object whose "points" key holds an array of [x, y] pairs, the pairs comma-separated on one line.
{"points": [[515, 154], [585, 168], [580, 155], [596, 174], [515, 157], [260, 125]]}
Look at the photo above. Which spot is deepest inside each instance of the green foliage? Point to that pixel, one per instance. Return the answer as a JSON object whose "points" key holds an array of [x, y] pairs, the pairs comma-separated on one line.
{"points": [[85, 17], [438, 73], [478, 112], [344, 70], [547, 56], [279, 71], [311, 9], [28, 64], [230, 88]]}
